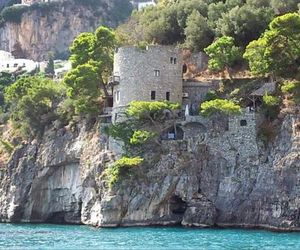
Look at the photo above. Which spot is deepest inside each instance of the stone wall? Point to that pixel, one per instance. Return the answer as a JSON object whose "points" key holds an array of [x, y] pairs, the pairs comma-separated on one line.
{"points": [[136, 69], [196, 93]]}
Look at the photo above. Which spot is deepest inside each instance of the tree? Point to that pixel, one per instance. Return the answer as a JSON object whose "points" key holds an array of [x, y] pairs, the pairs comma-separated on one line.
{"points": [[32, 103], [222, 106], [277, 51], [49, 70], [198, 34], [82, 88], [222, 54], [244, 23], [95, 49]]}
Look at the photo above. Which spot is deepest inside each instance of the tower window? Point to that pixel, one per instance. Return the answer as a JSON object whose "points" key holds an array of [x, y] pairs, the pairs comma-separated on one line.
{"points": [[168, 96], [153, 95], [243, 123], [156, 73], [173, 60], [118, 96]]}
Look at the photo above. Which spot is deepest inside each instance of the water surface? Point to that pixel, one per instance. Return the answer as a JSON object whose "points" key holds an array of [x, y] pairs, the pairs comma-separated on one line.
{"points": [[84, 237]]}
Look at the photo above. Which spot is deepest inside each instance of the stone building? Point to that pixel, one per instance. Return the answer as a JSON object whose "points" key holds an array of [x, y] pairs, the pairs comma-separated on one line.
{"points": [[150, 74]]}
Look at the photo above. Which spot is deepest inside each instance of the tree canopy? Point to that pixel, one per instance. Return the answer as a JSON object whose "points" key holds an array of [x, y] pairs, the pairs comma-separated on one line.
{"points": [[32, 103], [222, 53], [92, 62], [188, 21], [221, 106], [277, 50]]}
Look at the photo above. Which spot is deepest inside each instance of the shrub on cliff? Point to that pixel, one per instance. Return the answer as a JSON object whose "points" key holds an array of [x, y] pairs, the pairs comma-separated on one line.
{"points": [[271, 106], [292, 88], [122, 168], [141, 136], [152, 111], [32, 103], [222, 106], [13, 13]]}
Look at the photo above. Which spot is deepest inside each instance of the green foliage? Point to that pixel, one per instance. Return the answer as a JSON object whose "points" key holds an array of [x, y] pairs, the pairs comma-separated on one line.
{"points": [[189, 21], [141, 136], [271, 106], [277, 50], [82, 88], [244, 23], [222, 53], [143, 110], [292, 88], [198, 34], [7, 146], [227, 107], [270, 100], [31, 103], [5, 80], [121, 168], [13, 13], [121, 131], [49, 70], [92, 62]]}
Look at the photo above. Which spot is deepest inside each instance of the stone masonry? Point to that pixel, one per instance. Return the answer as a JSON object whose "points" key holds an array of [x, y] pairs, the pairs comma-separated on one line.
{"points": [[153, 73]]}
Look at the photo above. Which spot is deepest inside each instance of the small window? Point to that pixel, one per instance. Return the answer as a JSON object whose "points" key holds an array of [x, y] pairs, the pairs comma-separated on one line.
{"points": [[243, 123], [156, 72], [168, 96], [175, 60], [117, 96], [15, 65], [171, 60], [7, 65], [153, 95]]}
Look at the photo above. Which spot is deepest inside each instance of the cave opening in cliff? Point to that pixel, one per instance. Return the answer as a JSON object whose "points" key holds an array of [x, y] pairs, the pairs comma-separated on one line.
{"points": [[56, 218], [177, 205]]}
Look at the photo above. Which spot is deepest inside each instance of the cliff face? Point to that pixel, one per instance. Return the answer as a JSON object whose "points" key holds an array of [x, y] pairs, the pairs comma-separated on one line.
{"points": [[209, 180], [42, 30]]}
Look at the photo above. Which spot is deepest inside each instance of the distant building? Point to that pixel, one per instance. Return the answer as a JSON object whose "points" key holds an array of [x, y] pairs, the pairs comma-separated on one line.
{"points": [[9, 64], [141, 4]]}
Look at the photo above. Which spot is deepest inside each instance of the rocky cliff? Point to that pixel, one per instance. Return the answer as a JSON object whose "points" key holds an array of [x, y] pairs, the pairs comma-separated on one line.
{"points": [[52, 27], [210, 178]]}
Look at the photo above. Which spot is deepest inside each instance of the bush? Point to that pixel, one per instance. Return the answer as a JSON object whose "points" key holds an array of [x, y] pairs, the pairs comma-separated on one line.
{"points": [[141, 136], [227, 107], [292, 88], [271, 106], [121, 168], [142, 110], [14, 13], [32, 103]]}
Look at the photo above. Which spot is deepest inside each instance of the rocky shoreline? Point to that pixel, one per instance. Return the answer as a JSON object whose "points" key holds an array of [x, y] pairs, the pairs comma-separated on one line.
{"points": [[59, 180]]}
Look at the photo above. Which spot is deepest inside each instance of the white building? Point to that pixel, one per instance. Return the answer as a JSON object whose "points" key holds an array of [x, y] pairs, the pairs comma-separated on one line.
{"points": [[141, 4], [5, 56], [9, 64]]}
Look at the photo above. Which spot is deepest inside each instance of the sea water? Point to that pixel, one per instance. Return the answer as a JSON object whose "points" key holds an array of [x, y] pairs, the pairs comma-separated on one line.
{"points": [[40, 236]]}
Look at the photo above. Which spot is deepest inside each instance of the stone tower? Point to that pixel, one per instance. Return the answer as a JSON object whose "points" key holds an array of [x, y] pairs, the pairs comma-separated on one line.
{"points": [[150, 74]]}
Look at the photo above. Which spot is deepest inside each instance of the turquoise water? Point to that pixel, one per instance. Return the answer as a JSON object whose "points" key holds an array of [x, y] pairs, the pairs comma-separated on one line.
{"points": [[83, 237]]}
